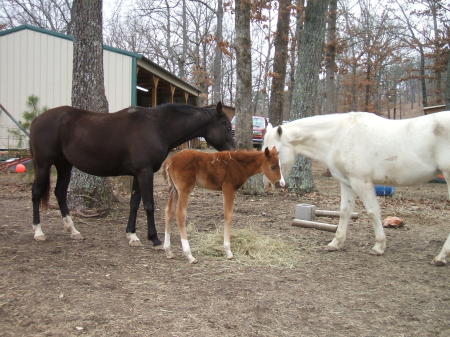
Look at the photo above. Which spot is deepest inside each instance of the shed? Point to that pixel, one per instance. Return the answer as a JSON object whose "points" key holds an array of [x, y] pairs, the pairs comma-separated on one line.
{"points": [[35, 61]]}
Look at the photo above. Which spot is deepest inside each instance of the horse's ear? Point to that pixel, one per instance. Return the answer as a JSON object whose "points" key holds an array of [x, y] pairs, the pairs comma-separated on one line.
{"points": [[267, 152], [219, 107], [279, 131]]}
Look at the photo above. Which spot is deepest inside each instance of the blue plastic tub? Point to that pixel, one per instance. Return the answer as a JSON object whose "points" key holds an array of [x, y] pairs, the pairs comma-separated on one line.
{"points": [[384, 191]]}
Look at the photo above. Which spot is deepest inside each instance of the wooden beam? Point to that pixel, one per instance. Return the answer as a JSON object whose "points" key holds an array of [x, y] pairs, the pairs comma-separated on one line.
{"points": [[155, 91], [313, 224], [172, 92]]}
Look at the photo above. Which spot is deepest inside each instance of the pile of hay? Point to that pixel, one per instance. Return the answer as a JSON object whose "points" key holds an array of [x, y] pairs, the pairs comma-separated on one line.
{"points": [[248, 246]]}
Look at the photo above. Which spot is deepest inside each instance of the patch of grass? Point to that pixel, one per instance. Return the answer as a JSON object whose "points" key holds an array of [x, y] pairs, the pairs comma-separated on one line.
{"points": [[248, 246]]}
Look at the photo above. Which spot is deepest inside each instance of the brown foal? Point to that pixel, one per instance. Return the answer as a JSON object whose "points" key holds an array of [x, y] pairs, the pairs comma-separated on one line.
{"points": [[225, 171]]}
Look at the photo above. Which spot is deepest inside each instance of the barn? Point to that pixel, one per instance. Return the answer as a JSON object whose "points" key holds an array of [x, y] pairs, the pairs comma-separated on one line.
{"points": [[35, 61]]}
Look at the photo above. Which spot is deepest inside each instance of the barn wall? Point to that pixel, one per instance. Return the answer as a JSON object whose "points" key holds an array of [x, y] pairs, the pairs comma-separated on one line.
{"points": [[35, 63]]}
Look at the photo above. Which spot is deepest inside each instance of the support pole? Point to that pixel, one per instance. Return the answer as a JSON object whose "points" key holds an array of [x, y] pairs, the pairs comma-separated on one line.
{"points": [[15, 121]]}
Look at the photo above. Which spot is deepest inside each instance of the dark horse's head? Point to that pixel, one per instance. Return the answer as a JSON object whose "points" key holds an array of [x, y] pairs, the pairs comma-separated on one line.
{"points": [[218, 133]]}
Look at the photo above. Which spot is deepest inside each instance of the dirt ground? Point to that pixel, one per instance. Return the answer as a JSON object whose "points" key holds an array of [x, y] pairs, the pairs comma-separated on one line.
{"points": [[102, 287]]}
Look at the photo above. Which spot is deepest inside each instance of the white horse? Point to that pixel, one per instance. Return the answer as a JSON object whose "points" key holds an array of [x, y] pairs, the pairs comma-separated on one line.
{"points": [[362, 149]]}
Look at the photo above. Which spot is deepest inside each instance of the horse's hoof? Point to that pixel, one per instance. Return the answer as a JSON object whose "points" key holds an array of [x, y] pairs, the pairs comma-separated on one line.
{"points": [[159, 247], [40, 238], [135, 243], [193, 260], [169, 254], [330, 249], [230, 257], [438, 263], [156, 242], [376, 252], [76, 236]]}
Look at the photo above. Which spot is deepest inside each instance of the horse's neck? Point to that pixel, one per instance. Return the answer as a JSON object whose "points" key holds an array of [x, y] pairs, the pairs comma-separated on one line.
{"points": [[190, 126], [313, 137], [250, 162]]}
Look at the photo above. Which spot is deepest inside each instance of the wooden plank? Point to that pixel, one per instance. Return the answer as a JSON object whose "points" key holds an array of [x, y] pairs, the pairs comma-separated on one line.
{"points": [[313, 224]]}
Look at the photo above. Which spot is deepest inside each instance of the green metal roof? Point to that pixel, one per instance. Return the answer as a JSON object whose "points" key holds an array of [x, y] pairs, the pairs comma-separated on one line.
{"points": [[64, 36]]}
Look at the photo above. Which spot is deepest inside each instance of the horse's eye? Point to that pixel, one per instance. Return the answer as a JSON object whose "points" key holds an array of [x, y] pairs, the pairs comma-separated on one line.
{"points": [[274, 167]]}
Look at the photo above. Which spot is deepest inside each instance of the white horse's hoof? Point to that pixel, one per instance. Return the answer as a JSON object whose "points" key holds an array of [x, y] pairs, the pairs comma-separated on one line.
{"points": [[192, 260], [40, 238], [438, 263], [76, 236], [169, 254], [230, 256], [376, 251], [329, 248], [135, 243]]}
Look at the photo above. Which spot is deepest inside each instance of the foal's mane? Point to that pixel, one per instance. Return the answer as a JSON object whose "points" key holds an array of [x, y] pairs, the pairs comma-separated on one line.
{"points": [[242, 156]]}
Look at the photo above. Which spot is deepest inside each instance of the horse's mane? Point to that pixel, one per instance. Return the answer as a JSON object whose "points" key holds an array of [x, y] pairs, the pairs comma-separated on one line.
{"points": [[182, 108]]}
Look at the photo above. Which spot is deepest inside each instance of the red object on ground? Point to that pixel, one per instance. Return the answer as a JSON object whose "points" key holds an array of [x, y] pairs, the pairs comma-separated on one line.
{"points": [[393, 222], [20, 168]]}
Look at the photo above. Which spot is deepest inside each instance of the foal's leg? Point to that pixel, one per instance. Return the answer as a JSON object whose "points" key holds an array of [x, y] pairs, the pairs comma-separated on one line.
{"points": [[228, 201], [170, 212], [366, 192], [135, 200], [64, 170], [145, 179], [441, 258], [181, 220], [346, 209], [39, 190]]}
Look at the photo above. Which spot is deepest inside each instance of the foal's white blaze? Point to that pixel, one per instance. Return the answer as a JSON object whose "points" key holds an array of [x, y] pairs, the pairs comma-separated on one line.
{"points": [[282, 182], [38, 233], [69, 227], [187, 251], [133, 240]]}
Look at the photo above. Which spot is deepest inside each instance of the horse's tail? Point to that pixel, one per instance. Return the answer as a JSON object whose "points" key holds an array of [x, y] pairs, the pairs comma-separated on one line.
{"points": [[45, 196], [46, 182], [167, 176]]}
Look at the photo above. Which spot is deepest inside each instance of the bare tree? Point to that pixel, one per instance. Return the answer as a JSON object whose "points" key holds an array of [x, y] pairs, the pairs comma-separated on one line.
{"points": [[50, 14], [243, 75], [330, 60], [279, 63], [306, 83], [88, 92]]}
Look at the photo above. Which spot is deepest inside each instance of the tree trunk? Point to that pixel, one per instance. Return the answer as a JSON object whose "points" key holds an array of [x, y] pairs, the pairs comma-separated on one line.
{"points": [[279, 63], [330, 60], [244, 127], [217, 65], [447, 85], [299, 4], [422, 76], [88, 92], [306, 84], [182, 62], [244, 124]]}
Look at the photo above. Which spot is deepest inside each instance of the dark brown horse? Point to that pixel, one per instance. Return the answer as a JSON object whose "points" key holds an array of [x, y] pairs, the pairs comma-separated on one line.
{"points": [[134, 141], [222, 171]]}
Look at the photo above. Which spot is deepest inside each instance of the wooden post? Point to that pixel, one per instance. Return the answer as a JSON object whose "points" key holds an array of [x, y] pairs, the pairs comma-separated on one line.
{"points": [[313, 224], [172, 92], [155, 91], [186, 97]]}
